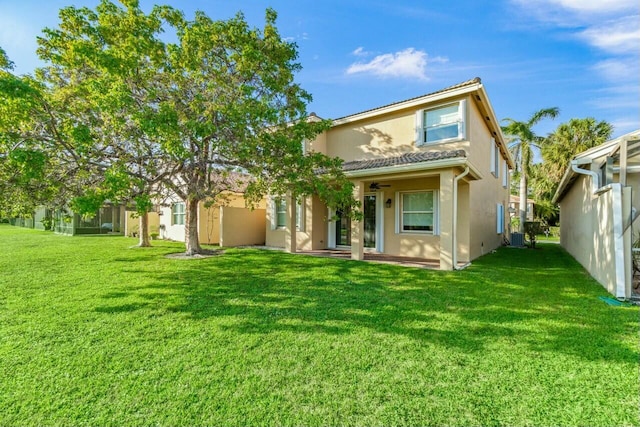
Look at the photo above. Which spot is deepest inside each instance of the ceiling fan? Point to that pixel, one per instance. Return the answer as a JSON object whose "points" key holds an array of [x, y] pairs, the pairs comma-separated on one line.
{"points": [[377, 186]]}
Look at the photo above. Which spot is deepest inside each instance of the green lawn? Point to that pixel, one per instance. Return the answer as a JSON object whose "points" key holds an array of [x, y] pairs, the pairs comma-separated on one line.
{"points": [[94, 332]]}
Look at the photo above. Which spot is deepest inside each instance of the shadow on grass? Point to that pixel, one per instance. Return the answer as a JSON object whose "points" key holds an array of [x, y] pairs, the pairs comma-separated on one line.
{"points": [[540, 299]]}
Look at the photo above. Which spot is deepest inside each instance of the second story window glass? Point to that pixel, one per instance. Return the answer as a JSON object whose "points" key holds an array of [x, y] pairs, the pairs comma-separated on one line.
{"points": [[441, 124]]}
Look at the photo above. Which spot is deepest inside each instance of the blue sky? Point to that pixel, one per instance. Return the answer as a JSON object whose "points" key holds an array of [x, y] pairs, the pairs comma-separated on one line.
{"points": [[582, 56]]}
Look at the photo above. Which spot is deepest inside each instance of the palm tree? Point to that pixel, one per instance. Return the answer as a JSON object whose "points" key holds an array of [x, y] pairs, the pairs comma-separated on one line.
{"points": [[569, 139], [522, 141]]}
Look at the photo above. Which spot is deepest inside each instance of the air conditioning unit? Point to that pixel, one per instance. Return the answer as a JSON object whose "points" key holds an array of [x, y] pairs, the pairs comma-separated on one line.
{"points": [[517, 239]]}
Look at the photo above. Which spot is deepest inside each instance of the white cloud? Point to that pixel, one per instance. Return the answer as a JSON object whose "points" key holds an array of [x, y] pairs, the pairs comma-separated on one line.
{"points": [[616, 36], [574, 13], [619, 69], [359, 51], [410, 63], [596, 6]]}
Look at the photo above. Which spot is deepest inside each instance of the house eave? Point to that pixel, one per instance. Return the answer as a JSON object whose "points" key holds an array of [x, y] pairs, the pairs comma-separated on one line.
{"points": [[461, 162], [411, 103]]}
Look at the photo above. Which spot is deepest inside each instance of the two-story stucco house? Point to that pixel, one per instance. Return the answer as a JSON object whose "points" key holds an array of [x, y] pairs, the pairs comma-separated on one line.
{"points": [[431, 173]]}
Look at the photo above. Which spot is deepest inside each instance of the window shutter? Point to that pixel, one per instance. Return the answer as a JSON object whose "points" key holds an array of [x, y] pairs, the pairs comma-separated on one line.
{"points": [[493, 156], [419, 127], [499, 218], [436, 213], [505, 174]]}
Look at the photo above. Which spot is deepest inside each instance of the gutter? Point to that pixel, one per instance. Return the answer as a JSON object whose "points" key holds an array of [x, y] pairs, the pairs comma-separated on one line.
{"points": [[454, 232], [412, 167]]}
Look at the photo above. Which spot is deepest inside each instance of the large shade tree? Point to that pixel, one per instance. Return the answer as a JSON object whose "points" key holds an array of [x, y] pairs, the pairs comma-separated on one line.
{"points": [[39, 163], [106, 63], [219, 102], [522, 141]]}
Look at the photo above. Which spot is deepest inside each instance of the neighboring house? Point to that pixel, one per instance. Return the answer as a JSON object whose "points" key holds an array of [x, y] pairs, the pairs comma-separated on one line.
{"points": [[514, 207], [598, 205], [132, 223], [227, 223], [431, 173], [109, 219]]}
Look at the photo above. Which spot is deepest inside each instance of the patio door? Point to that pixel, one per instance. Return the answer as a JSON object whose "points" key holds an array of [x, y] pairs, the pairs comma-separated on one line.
{"points": [[343, 229], [340, 229], [370, 210]]}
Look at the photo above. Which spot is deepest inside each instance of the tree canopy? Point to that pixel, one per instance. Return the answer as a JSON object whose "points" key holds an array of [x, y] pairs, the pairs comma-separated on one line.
{"points": [[159, 106]]}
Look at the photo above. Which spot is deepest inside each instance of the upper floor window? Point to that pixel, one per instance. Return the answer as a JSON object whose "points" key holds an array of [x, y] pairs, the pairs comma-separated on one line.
{"points": [[177, 213], [441, 124]]}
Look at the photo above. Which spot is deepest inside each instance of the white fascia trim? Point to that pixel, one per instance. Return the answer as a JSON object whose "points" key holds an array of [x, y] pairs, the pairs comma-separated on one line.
{"points": [[409, 104], [413, 167], [498, 129]]}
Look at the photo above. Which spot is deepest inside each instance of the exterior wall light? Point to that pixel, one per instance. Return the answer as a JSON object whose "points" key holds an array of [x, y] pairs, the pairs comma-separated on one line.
{"points": [[388, 203]]}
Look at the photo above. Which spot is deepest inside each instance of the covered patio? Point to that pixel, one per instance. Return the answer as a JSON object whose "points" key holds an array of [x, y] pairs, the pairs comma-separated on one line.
{"points": [[430, 264]]}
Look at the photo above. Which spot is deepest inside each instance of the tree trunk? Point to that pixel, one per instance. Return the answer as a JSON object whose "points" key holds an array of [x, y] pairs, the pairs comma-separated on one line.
{"points": [[143, 232], [523, 200], [191, 228]]}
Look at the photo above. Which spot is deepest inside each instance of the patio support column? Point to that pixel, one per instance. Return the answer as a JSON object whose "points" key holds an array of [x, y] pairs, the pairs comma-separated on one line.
{"points": [[357, 227], [446, 220], [290, 238]]}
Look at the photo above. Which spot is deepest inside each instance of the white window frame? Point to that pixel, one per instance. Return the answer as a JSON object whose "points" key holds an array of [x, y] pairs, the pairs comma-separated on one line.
{"points": [[499, 218], [283, 203], [175, 214], [399, 213], [420, 123], [300, 222]]}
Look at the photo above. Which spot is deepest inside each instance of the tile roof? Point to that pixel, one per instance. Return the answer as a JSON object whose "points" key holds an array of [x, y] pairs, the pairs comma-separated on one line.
{"points": [[404, 159], [475, 80]]}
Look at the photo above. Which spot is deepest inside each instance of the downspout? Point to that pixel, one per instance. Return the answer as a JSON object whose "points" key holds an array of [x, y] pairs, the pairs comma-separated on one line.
{"points": [[595, 178], [454, 233], [618, 229]]}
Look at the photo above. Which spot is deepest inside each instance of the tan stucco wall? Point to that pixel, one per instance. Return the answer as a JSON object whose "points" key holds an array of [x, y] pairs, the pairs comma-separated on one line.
{"points": [[386, 135], [132, 223], [588, 239], [485, 193], [241, 226], [408, 244], [209, 224], [587, 233], [310, 237], [208, 219]]}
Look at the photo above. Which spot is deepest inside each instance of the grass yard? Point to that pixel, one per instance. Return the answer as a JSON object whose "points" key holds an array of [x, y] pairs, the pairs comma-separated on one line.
{"points": [[94, 332]]}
